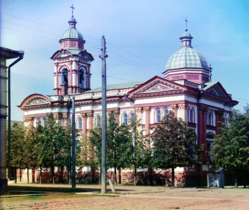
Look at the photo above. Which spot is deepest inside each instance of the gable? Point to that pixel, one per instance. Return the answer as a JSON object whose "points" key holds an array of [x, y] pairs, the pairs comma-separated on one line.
{"points": [[36, 101], [157, 85], [216, 90]]}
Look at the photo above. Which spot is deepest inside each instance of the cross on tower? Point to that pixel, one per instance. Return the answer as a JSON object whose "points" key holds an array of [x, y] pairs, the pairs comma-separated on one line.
{"points": [[186, 24], [72, 9]]}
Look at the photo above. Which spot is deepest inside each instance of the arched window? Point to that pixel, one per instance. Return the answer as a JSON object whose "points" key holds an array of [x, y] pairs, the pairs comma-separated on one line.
{"points": [[210, 118], [39, 122], [64, 76], [98, 121], [79, 123], [192, 115], [158, 115], [132, 116], [82, 82], [44, 121], [165, 112], [207, 118], [62, 122], [188, 115], [125, 119]]}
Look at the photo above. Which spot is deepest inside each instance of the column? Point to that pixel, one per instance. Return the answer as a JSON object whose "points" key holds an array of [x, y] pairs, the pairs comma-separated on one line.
{"points": [[147, 124], [183, 111], [174, 107], [116, 113], [70, 77], [90, 116], [200, 137], [58, 117], [64, 116], [138, 112], [28, 121], [218, 121], [56, 91], [205, 109], [84, 123]]}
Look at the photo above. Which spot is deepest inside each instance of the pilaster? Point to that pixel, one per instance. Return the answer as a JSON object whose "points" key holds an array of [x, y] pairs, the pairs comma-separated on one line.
{"points": [[183, 111], [174, 107], [90, 116], [138, 112], [147, 110], [84, 123]]}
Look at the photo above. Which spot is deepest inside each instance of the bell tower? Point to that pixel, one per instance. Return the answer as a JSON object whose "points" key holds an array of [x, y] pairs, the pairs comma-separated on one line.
{"points": [[72, 62]]}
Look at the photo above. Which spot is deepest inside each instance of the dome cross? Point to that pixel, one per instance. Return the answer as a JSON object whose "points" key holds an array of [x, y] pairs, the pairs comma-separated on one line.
{"points": [[72, 9], [186, 24]]}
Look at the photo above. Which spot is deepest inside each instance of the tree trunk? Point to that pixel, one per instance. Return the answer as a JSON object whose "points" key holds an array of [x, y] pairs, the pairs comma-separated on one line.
{"points": [[28, 175], [15, 176], [69, 175], [236, 178], [173, 176], [100, 176], [244, 178], [115, 175], [93, 173], [135, 175], [40, 174], [52, 168]]}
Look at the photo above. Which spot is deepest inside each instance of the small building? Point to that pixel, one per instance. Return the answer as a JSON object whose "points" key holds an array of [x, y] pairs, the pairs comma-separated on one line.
{"points": [[185, 84]]}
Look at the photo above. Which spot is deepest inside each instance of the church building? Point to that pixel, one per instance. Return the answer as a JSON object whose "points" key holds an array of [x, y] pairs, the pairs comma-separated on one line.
{"points": [[185, 87]]}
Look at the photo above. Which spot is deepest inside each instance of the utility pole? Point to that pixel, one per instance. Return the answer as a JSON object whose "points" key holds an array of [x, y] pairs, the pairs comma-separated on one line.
{"points": [[103, 56], [70, 151], [73, 143]]}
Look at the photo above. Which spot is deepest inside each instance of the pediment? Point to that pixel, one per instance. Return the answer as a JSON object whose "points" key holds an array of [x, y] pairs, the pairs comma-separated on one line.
{"points": [[217, 91], [156, 85], [36, 101]]}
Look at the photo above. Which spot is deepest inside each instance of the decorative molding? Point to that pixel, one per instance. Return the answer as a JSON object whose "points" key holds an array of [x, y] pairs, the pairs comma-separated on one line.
{"points": [[57, 116], [147, 108], [138, 109], [183, 106], [174, 106], [109, 113], [90, 114], [116, 112], [84, 115], [203, 109], [28, 119], [64, 116]]}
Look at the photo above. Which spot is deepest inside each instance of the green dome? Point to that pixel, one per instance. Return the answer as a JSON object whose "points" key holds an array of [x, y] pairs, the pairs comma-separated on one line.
{"points": [[186, 34], [186, 57], [72, 33]]}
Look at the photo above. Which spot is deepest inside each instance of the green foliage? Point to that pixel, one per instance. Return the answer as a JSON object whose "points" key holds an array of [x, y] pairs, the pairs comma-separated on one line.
{"points": [[231, 147], [174, 143]]}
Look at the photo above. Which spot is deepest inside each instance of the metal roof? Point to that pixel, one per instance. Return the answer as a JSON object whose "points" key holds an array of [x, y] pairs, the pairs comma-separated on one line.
{"points": [[208, 85], [72, 33], [119, 86]]}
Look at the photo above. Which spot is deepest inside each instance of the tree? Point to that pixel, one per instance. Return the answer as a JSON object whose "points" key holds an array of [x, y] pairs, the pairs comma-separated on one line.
{"points": [[16, 156], [174, 144], [231, 147], [137, 155], [117, 142], [87, 155], [55, 148]]}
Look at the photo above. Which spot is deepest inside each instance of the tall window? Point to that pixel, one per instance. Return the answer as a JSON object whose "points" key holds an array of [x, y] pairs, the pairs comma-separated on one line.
{"points": [[44, 121], [192, 115], [132, 116], [125, 119], [82, 82], [165, 112], [39, 122], [207, 118], [64, 77], [210, 119], [188, 115], [158, 115], [98, 121], [79, 123]]}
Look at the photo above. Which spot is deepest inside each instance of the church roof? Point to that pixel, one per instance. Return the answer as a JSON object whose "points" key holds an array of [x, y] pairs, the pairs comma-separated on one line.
{"points": [[208, 85], [186, 57], [72, 33], [119, 86]]}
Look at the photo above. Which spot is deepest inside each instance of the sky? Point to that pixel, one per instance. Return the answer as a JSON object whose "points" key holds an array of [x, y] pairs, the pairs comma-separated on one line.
{"points": [[141, 35]]}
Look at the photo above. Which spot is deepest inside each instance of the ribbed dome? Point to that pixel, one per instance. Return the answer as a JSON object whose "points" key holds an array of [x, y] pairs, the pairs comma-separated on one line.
{"points": [[72, 33], [186, 57]]}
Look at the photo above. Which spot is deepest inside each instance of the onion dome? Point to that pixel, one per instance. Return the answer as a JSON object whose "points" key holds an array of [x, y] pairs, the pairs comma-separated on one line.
{"points": [[187, 63], [72, 32]]}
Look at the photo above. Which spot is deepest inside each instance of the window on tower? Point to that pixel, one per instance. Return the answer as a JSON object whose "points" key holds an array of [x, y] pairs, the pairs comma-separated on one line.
{"points": [[82, 78], [72, 44], [64, 77], [80, 45]]}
